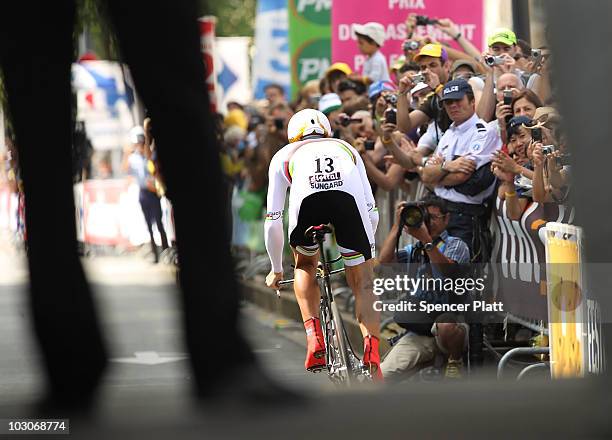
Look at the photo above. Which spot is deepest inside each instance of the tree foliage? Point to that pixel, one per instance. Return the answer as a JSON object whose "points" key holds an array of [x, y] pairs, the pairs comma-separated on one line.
{"points": [[235, 18]]}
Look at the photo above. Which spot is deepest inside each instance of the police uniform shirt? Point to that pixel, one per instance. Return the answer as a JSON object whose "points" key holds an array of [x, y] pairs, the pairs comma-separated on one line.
{"points": [[475, 140]]}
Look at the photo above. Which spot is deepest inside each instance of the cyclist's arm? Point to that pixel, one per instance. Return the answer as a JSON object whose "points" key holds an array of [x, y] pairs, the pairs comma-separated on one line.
{"points": [[273, 226], [367, 191]]}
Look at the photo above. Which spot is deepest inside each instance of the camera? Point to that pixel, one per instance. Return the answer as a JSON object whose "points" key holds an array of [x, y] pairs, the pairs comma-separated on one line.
{"points": [[424, 20], [548, 149], [391, 99], [279, 123], [414, 214], [491, 60], [369, 145], [410, 45], [344, 120], [391, 116], [418, 78]]}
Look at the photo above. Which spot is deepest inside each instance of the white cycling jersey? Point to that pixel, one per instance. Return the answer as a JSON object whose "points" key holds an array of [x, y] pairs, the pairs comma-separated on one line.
{"points": [[313, 166]]}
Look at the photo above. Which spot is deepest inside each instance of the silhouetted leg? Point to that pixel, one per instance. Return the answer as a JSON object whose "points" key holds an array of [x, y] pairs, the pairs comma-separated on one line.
{"points": [[36, 54], [147, 203], [161, 44]]}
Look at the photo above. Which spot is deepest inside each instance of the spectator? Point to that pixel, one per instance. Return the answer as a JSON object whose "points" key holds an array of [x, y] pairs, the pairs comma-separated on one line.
{"points": [[137, 165], [525, 104], [513, 169], [396, 67], [337, 73], [308, 96], [370, 38], [433, 61], [381, 94], [391, 177], [438, 253], [330, 105], [459, 172], [275, 94], [349, 90]]}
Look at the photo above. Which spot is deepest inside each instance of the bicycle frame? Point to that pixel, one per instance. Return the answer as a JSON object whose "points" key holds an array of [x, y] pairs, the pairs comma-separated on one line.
{"points": [[343, 366]]}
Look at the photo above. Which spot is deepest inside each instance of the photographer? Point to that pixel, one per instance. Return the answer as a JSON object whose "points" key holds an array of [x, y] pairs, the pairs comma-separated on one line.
{"points": [[551, 176], [437, 253], [435, 69]]}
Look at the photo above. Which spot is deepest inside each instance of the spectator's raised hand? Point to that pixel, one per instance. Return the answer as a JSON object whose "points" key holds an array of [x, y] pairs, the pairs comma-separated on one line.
{"points": [[411, 24], [505, 163], [381, 106], [432, 79], [387, 131], [502, 111], [504, 176], [509, 64], [405, 85], [359, 145], [538, 156], [447, 26], [406, 143]]}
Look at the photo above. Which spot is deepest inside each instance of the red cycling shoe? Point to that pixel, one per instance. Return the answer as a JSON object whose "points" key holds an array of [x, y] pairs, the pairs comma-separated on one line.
{"points": [[371, 357], [315, 356]]}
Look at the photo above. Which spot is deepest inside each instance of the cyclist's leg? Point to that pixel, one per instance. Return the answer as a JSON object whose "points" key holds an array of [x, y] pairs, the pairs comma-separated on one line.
{"points": [[359, 279], [305, 284]]}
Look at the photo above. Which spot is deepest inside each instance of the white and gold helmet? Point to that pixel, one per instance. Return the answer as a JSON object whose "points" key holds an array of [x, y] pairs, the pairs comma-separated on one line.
{"points": [[307, 122]]}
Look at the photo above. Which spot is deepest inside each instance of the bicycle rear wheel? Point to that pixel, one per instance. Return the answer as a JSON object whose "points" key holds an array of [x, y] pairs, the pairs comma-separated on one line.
{"points": [[338, 367]]}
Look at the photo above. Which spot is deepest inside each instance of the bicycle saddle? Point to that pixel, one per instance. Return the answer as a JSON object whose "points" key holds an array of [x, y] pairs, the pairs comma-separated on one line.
{"points": [[319, 231]]}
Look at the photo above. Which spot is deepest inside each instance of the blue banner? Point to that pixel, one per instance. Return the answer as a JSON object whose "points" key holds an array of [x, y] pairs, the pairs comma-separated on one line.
{"points": [[271, 62]]}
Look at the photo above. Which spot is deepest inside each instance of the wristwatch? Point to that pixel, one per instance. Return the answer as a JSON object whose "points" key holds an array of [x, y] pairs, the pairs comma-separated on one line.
{"points": [[428, 246]]}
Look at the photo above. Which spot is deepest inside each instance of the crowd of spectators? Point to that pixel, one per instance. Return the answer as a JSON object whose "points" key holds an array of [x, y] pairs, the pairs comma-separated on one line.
{"points": [[396, 117], [466, 125]]}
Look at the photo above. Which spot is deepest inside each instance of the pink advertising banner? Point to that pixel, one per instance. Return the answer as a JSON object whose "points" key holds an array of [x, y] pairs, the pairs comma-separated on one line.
{"points": [[467, 14]]}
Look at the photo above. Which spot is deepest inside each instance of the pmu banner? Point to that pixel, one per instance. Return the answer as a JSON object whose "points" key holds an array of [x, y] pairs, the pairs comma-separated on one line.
{"points": [[574, 316], [207, 43], [467, 14], [309, 40], [271, 62]]}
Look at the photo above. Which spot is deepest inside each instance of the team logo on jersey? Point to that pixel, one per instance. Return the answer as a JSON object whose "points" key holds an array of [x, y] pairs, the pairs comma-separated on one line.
{"points": [[270, 216], [325, 181], [476, 147]]}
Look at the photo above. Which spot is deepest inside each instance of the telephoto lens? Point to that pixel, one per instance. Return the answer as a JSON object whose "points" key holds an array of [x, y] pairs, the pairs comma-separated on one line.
{"points": [[413, 215]]}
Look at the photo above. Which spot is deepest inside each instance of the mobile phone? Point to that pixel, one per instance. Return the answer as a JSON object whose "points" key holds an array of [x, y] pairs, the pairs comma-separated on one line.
{"points": [[369, 145], [507, 97], [279, 123], [391, 116], [536, 134]]}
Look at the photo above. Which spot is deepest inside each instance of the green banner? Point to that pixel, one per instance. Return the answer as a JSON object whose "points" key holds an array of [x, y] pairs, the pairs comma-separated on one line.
{"points": [[309, 40]]}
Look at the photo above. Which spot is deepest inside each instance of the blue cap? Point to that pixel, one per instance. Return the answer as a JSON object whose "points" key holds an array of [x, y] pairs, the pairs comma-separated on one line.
{"points": [[516, 122], [378, 87], [456, 89]]}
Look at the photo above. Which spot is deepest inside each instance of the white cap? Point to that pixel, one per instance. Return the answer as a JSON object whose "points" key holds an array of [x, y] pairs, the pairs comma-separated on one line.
{"points": [[307, 122], [375, 31], [134, 134], [329, 102], [420, 86]]}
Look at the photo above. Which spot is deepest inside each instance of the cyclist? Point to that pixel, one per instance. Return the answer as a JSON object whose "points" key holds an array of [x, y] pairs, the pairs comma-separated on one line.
{"points": [[328, 185]]}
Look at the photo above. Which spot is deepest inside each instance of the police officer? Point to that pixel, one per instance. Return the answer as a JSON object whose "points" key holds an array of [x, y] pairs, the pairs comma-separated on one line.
{"points": [[461, 174], [459, 169]]}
